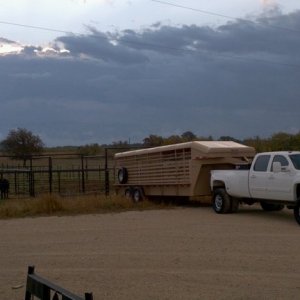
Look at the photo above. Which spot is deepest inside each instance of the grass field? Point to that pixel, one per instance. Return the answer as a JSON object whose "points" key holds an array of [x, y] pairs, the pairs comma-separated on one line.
{"points": [[56, 205]]}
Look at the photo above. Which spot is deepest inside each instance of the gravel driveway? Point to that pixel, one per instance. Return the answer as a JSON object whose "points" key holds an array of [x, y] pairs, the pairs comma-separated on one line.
{"points": [[181, 253]]}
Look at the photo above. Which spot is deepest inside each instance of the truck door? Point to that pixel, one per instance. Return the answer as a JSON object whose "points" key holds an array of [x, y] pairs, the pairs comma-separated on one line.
{"points": [[258, 177], [280, 183]]}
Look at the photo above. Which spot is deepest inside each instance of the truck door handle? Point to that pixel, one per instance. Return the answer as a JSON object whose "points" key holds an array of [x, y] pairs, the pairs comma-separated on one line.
{"points": [[253, 176], [271, 177]]}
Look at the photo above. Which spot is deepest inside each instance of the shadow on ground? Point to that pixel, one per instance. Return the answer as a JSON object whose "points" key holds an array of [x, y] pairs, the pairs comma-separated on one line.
{"points": [[255, 210]]}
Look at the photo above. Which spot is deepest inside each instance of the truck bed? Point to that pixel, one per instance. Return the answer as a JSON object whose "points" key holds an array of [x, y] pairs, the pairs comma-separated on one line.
{"points": [[237, 181]]}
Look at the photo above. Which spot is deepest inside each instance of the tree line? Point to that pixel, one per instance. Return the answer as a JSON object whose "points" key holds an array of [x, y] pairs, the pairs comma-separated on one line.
{"points": [[280, 141], [22, 143]]}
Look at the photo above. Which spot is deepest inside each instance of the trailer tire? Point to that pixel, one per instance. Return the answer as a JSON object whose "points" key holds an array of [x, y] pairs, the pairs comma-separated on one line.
{"points": [[270, 206], [297, 212], [122, 175], [221, 201], [128, 193], [137, 195]]}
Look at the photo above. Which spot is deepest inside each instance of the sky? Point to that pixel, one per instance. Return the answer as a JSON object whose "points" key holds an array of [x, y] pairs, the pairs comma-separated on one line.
{"points": [[110, 70]]}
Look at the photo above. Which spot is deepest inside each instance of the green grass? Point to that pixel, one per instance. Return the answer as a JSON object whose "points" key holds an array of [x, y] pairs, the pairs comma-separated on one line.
{"points": [[48, 205]]}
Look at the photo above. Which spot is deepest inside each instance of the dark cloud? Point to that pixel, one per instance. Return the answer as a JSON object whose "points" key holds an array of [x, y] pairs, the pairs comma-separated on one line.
{"points": [[270, 35], [99, 46], [31, 50], [6, 41], [240, 79]]}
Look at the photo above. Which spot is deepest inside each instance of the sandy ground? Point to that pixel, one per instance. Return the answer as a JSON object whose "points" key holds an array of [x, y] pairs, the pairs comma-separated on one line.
{"points": [[182, 253]]}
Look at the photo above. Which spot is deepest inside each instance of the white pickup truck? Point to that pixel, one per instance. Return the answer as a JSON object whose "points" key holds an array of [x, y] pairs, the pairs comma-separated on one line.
{"points": [[273, 180]]}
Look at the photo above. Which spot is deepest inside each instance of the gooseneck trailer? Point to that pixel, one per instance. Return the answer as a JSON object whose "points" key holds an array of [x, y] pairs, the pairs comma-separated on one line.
{"points": [[177, 170]]}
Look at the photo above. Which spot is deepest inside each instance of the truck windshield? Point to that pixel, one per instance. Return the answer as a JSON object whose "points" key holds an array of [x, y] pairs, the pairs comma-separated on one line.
{"points": [[295, 158]]}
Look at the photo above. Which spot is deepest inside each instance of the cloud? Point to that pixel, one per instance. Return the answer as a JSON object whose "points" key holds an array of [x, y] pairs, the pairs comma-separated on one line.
{"points": [[98, 45], [6, 41], [240, 79]]}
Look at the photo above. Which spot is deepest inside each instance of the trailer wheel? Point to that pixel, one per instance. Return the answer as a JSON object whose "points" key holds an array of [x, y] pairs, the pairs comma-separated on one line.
{"points": [[122, 175], [128, 193], [137, 195], [221, 201], [297, 213], [270, 206]]}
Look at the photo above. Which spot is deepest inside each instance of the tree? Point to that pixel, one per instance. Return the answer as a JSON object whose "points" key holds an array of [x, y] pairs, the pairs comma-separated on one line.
{"points": [[153, 141], [228, 138], [22, 144], [281, 141], [260, 145], [188, 136], [90, 149], [172, 139]]}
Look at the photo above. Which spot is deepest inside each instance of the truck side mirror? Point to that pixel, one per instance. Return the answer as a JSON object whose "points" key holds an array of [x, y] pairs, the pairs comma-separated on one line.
{"points": [[276, 167], [285, 169]]}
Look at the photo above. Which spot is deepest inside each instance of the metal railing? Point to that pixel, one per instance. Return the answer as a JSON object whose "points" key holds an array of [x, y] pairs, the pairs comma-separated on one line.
{"points": [[43, 289]]}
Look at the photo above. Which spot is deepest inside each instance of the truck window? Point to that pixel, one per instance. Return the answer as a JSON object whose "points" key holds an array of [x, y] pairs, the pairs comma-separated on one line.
{"points": [[295, 158], [280, 158], [261, 164]]}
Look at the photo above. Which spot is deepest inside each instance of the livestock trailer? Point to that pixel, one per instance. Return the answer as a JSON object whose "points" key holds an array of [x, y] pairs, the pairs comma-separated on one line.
{"points": [[176, 170]]}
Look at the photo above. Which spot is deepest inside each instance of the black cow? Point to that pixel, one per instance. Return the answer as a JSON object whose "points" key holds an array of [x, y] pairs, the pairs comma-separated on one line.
{"points": [[4, 188]]}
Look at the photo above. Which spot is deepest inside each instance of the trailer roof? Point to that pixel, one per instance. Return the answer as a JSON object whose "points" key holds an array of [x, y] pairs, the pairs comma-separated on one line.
{"points": [[204, 147]]}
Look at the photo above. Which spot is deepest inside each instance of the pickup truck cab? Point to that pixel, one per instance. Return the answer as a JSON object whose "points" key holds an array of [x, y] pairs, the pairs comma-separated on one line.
{"points": [[273, 180]]}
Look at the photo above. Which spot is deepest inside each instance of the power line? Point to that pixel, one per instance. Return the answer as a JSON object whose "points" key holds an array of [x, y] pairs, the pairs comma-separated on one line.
{"points": [[224, 16], [194, 9], [38, 27], [158, 46]]}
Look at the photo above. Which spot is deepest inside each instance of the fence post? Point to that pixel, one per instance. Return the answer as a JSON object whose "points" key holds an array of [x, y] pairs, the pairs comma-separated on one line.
{"points": [[58, 179], [15, 177], [31, 180], [31, 285], [82, 174], [88, 296], [29, 272], [106, 179], [50, 174]]}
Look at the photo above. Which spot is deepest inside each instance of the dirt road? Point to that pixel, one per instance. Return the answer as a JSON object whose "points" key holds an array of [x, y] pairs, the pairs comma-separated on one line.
{"points": [[182, 253]]}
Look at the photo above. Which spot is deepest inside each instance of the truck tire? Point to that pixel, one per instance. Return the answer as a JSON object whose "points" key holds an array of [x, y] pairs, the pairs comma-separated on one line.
{"points": [[221, 201], [270, 206], [297, 213], [137, 195]]}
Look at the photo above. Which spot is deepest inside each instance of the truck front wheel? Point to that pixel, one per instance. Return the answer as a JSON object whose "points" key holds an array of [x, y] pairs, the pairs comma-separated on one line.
{"points": [[221, 201]]}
